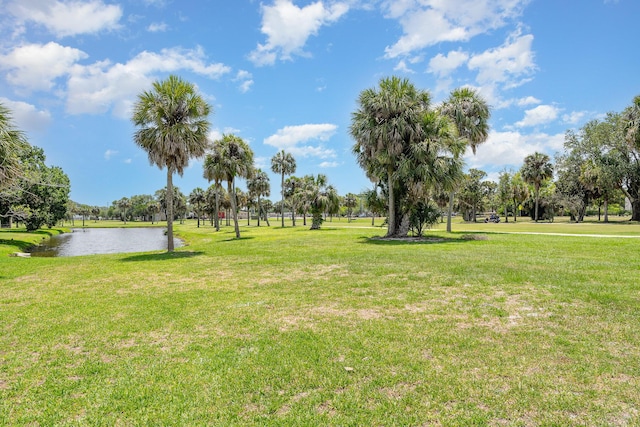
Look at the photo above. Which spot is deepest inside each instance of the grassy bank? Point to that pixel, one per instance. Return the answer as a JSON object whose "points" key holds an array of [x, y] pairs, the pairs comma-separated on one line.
{"points": [[293, 327]]}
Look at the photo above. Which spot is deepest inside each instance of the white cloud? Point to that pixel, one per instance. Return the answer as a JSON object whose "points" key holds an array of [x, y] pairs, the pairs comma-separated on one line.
{"points": [[529, 100], [427, 22], [508, 149], [329, 165], [27, 117], [503, 64], [443, 65], [127, 161], [98, 87], [574, 117], [288, 27], [292, 138], [540, 115], [109, 154], [263, 163], [36, 66], [157, 27], [246, 80], [68, 18], [403, 68]]}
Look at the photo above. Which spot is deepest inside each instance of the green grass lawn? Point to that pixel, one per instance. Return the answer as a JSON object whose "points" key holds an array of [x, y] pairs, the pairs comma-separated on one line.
{"points": [[295, 327]]}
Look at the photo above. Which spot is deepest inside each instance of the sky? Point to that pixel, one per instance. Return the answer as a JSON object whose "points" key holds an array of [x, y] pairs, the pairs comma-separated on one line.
{"points": [[286, 74]]}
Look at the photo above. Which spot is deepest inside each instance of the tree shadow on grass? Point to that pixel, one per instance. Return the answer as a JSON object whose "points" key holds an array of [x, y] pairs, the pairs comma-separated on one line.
{"points": [[424, 240], [162, 256], [235, 239]]}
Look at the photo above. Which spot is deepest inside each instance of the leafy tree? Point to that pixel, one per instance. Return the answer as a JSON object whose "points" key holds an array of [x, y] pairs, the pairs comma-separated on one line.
{"points": [[536, 169], [519, 193], [197, 200], [236, 160], [504, 193], [472, 192], [172, 128], [40, 194], [259, 186], [283, 164], [375, 203]]}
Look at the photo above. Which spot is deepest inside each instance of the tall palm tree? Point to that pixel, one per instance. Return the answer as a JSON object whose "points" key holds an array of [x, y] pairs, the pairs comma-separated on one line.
{"points": [[235, 159], [197, 199], [213, 171], [284, 164], [470, 113], [259, 186], [536, 168], [12, 142], [387, 121], [172, 128]]}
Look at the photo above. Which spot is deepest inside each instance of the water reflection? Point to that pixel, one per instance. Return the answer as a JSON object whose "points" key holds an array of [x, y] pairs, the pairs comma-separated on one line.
{"points": [[91, 241]]}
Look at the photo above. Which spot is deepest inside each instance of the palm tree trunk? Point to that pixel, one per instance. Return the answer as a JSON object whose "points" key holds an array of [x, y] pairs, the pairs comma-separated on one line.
{"points": [[169, 200], [217, 212], [282, 202], [234, 209], [391, 230], [536, 209], [450, 212], [606, 210], [259, 210]]}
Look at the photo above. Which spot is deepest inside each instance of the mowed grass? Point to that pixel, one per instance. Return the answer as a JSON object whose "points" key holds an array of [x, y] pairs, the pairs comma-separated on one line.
{"points": [[296, 327]]}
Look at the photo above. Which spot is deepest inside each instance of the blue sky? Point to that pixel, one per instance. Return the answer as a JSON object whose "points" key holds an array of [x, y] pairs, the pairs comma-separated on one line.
{"points": [[285, 74]]}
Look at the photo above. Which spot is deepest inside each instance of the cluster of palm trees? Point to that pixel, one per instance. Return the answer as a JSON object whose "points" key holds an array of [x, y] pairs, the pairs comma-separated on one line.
{"points": [[413, 150], [172, 127]]}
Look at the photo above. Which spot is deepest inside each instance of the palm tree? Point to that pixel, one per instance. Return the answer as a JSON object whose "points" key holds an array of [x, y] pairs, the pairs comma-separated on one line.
{"points": [[536, 169], [386, 121], [123, 204], [213, 171], [12, 142], [350, 201], [320, 196], [259, 186], [284, 164], [375, 203], [519, 193], [172, 128], [235, 159], [197, 199], [294, 191], [470, 113]]}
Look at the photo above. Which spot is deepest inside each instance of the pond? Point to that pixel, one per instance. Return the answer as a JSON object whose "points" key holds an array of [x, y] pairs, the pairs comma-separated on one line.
{"points": [[92, 241]]}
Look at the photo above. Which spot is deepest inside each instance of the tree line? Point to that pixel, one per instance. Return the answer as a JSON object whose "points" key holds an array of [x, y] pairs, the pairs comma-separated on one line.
{"points": [[30, 191]]}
